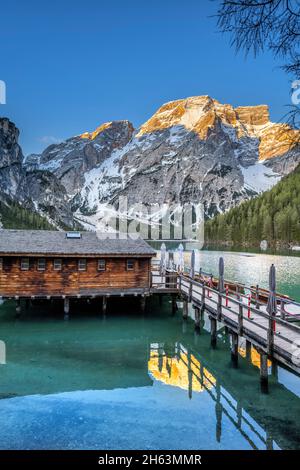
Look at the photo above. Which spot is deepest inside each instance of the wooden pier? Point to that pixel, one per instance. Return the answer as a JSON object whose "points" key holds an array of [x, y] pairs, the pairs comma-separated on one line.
{"points": [[243, 315]]}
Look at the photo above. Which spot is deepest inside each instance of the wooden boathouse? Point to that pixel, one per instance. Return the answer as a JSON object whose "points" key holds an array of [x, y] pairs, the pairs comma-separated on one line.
{"points": [[37, 264]]}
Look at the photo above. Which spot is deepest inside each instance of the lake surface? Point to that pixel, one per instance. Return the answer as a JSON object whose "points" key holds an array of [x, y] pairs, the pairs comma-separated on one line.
{"points": [[133, 381], [249, 268]]}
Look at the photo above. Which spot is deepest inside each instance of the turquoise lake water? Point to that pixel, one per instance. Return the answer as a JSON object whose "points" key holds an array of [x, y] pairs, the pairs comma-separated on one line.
{"points": [[133, 381], [248, 268]]}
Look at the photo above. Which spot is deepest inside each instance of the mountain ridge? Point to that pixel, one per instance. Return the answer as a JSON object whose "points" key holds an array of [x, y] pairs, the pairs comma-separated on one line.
{"points": [[193, 150]]}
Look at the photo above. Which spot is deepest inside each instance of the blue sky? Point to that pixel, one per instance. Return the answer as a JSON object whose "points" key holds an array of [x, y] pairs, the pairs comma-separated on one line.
{"points": [[72, 65]]}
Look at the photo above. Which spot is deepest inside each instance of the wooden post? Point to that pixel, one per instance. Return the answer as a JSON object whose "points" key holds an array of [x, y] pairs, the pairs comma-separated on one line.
{"points": [[269, 442], [234, 348], [218, 410], [143, 303], [240, 319], [104, 305], [174, 304], [270, 335], [197, 320], [185, 311], [18, 307], [274, 368], [257, 297], [66, 308], [219, 307], [248, 350], [213, 332], [190, 291], [190, 377], [264, 372], [203, 298]]}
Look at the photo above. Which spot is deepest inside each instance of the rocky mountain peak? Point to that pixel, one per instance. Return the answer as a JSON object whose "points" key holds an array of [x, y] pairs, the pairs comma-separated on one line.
{"points": [[10, 157], [112, 126], [10, 151], [191, 150], [200, 114], [253, 115]]}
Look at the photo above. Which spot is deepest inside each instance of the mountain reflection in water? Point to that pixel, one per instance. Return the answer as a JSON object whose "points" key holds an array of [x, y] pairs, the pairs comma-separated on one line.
{"points": [[137, 382]]}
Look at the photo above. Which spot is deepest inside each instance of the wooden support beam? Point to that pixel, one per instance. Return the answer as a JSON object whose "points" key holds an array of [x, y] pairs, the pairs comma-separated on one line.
{"points": [[104, 305], [202, 310], [143, 303], [274, 368], [174, 304], [234, 348], [66, 308], [248, 350], [18, 307], [264, 372], [218, 409], [257, 304], [219, 307], [270, 335], [240, 320], [213, 332], [197, 320], [203, 298], [185, 311]]}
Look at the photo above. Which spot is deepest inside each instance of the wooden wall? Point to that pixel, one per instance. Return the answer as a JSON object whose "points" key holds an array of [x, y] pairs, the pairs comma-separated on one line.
{"points": [[71, 281]]}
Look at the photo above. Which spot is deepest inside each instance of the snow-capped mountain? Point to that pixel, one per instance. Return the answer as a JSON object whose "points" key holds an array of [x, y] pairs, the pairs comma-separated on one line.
{"points": [[190, 150]]}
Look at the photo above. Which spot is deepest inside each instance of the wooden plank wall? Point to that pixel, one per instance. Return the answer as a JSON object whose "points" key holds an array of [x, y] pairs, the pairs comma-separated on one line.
{"points": [[71, 281]]}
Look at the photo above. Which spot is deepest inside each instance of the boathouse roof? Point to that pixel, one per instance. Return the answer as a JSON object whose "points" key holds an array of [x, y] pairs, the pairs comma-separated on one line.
{"points": [[45, 242]]}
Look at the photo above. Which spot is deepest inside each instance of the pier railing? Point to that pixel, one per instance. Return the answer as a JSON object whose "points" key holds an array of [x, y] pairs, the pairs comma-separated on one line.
{"points": [[242, 309]]}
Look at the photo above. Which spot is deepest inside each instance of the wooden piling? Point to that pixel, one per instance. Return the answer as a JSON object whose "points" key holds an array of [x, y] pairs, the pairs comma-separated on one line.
{"points": [[185, 311], [174, 304], [234, 348], [248, 350], [197, 320], [143, 303], [264, 372], [213, 332], [66, 308], [18, 307], [104, 305], [203, 298]]}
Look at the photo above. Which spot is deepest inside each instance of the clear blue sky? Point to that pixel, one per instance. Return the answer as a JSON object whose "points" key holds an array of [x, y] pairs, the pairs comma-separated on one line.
{"points": [[71, 65]]}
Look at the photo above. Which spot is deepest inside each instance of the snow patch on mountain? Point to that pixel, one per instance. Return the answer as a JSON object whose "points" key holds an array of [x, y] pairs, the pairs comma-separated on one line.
{"points": [[259, 178]]}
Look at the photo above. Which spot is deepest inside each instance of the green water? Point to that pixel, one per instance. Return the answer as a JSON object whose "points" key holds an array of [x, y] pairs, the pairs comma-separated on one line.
{"points": [[133, 381], [249, 268]]}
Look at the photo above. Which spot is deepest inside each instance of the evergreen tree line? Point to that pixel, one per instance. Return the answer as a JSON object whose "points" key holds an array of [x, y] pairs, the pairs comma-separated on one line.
{"points": [[273, 216], [15, 216]]}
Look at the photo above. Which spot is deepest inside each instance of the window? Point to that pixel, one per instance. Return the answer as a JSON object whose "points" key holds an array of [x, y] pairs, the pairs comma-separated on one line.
{"points": [[82, 264], [57, 264], [130, 265], [73, 235], [25, 264], [1, 264], [41, 265], [101, 264]]}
